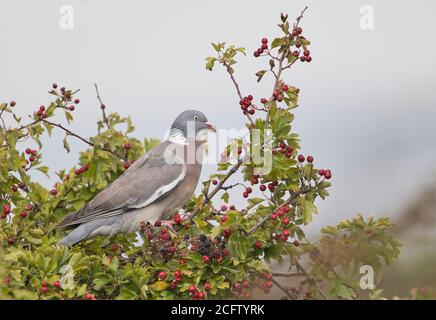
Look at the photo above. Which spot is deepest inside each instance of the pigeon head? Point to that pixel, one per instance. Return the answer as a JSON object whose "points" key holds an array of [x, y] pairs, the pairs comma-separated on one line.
{"points": [[190, 125]]}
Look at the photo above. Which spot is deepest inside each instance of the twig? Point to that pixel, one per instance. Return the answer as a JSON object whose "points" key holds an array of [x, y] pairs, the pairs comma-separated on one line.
{"points": [[102, 106], [69, 132], [287, 274], [209, 196], [232, 186], [238, 91], [285, 290], [300, 267]]}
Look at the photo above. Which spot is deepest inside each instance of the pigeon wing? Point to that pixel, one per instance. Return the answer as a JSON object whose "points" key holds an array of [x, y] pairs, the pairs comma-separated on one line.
{"points": [[149, 179]]}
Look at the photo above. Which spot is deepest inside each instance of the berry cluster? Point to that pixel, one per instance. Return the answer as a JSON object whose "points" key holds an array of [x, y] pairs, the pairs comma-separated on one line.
{"points": [[326, 173], [283, 218], [25, 212], [6, 211], [278, 93], [305, 57], [242, 289], [247, 105], [32, 154], [247, 192], [82, 169], [262, 48], [283, 149], [41, 113]]}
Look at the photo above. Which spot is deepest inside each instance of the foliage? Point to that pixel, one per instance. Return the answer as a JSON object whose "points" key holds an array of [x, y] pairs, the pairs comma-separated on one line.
{"points": [[217, 252]]}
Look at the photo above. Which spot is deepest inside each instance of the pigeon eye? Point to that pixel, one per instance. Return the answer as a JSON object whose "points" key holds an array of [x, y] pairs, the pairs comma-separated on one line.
{"points": [[195, 118]]}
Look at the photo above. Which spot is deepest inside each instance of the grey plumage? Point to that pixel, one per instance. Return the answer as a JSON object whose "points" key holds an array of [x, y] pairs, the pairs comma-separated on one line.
{"points": [[154, 186]]}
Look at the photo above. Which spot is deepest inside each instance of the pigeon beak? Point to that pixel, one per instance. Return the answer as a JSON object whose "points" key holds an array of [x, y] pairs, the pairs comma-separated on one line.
{"points": [[210, 126]]}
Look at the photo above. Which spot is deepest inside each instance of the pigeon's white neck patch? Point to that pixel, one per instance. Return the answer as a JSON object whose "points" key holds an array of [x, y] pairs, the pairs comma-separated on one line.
{"points": [[177, 136]]}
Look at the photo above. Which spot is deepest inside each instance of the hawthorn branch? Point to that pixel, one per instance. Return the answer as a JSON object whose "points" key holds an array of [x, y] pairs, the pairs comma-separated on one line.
{"points": [[105, 119], [69, 132], [288, 274], [238, 91], [285, 290], [294, 195], [209, 196], [300, 268]]}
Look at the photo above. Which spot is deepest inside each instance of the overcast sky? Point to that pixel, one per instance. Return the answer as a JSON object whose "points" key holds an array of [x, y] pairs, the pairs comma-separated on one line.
{"points": [[368, 104]]}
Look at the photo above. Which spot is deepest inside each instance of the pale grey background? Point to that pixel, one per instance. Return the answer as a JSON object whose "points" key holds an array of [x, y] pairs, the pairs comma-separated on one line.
{"points": [[367, 99]]}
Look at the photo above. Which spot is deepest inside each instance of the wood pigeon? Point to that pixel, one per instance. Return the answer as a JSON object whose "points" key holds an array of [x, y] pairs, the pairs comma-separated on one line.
{"points": [[153, 187]]}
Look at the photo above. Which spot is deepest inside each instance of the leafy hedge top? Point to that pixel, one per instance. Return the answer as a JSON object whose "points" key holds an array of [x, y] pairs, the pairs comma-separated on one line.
{"points": [[228, 258]]}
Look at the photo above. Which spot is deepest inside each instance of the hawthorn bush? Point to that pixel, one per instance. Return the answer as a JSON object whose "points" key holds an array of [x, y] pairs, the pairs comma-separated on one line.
{"points": [[230, 258]]}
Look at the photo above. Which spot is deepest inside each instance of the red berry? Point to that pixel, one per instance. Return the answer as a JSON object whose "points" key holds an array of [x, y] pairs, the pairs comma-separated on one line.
{"points": [[301, 158], [192, 288], [14, 188], [279, 98], [89, 296], [42, 108], [23, 214], [298, 44], [44, 289], [263, 100], [295, 53], [258, 244], [157, 223], [328, 174], [227, 233], [6, 208], [56, 284], [249, 190], [224, 219], [306, 53], [264, 46], [309, 58], [12, 103], [28, 151], [226, 252], [76, 101], [126, 165], [127, 146], [53, 192], [299, 30], [285, 221], [11, 240], [232, 207], [302, 58], [177, 219], [250, 97], [264, 40], [274, 216], [245, 194], [200, 295], [214, 182], [207, 286], [223, 207], [162, 275], [256, 54], [296, 243], [309, 159], [285, 87], [262, 187], [54, 85], [177, 274], [103, 107], [206, 259], [321, 172]]}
